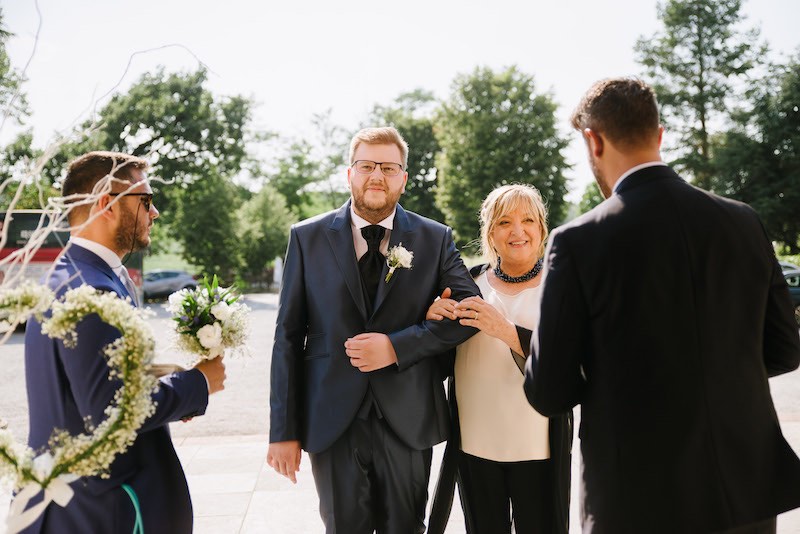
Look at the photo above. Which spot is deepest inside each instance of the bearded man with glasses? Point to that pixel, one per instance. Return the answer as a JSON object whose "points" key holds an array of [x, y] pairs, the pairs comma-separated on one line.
{"points": [[356, 375]]}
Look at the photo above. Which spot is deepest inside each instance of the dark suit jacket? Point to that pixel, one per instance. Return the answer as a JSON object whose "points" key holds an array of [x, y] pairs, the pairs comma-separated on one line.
{"points": [[663, 314], [66, 385], [315, 391]]}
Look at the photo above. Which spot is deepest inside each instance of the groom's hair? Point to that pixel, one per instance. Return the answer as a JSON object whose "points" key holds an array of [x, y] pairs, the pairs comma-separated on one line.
{"points": [[624, 110], [385, 135], [86, 171]]}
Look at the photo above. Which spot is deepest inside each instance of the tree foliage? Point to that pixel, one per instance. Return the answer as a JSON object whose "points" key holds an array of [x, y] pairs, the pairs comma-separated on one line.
{"points": [[495, 130], [296, 171], [758, 161], [263, 228], [696, 64], [413, 115], [591, 197], [205, 226], [13, 103], [186, 133]]}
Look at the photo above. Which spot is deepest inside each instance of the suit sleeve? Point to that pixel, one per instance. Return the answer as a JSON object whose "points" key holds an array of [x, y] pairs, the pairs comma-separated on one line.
{"points": [[554, 374], [180, 395], [431, 338], [781, 339], [287, 350]]}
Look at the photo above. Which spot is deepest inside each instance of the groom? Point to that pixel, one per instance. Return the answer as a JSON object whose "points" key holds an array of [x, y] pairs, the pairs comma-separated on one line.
{"points": [[68, 385], [663, 314], [355, 377]]}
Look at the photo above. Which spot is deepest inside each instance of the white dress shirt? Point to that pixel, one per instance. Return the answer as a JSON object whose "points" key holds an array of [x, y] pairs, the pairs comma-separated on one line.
{"points": [[360, 244], [637, 168]]}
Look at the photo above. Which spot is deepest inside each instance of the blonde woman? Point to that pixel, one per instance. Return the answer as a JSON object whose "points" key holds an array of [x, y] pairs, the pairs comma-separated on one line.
{"points": [[511, 461]]}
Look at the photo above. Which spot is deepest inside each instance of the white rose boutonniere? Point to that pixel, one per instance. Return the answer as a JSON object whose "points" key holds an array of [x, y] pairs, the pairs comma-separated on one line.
{"points": [[398, 256]]}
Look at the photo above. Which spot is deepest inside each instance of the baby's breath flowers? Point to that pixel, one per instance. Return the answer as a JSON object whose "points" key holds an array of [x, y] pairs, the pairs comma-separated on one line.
{"points": [[129, 358], [18, 303], [209, 319]]}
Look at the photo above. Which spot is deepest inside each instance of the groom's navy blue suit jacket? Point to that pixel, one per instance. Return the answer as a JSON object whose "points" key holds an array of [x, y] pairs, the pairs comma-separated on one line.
{"points": [[66, 385], [315, 391]]}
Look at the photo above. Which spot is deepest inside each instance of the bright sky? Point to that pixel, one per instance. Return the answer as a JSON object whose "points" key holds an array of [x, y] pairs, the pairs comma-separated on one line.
{"points": [[306, 56]]}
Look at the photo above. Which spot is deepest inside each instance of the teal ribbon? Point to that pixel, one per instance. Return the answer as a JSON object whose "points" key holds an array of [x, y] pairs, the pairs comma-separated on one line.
{"points": [[138, 526]]}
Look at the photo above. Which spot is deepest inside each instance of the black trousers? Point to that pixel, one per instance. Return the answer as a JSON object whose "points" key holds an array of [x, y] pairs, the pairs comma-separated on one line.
{"points": [[370, 481], [492, 491], [767, 526]]}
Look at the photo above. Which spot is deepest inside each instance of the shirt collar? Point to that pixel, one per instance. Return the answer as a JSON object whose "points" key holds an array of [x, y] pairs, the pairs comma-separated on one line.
{"points": [[105, 253], [637, 168], [360, 222]]}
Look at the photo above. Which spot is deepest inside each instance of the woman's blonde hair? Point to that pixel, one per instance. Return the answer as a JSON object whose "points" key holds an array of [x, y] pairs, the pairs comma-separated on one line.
{"points": [[502, 201]]}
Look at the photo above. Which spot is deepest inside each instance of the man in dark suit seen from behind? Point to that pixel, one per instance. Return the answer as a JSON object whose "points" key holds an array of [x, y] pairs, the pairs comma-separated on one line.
{"points": [[355, 378], [664, 313]]}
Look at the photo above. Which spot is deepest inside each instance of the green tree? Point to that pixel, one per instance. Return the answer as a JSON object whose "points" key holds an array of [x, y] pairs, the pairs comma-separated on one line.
{"points": [[758, 160], [190, 136], [206, 219], [173, 119], [263, 228], [13, 103], [494, 130], [413, 115], [296, 171], [591, 197], [697, 63]]}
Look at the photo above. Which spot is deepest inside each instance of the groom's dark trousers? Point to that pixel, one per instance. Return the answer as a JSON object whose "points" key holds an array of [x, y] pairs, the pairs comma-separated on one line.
{"points": [[369, 435]]}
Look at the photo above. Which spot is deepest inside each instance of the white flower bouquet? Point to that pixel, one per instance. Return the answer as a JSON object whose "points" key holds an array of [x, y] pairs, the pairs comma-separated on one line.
{"points": [[209, 319]]}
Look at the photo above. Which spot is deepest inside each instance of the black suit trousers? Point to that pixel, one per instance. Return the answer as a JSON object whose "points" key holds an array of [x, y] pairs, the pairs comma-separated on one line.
{"points": [[370, 481]]}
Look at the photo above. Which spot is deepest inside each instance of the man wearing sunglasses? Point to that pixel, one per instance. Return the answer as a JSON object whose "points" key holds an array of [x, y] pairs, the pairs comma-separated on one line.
{"points": [[356, 378], [111, 213]]}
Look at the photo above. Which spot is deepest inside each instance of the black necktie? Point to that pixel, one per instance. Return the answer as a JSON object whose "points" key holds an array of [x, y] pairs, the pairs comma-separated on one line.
{"points": [[371, 263]]}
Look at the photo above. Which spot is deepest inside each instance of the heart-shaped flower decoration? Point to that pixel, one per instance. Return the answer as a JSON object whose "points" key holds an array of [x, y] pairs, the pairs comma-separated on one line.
{"points": [[69, 457]]}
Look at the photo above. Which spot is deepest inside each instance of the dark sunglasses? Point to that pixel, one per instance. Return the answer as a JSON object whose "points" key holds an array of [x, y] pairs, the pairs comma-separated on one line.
{"points": [[147, 198]]}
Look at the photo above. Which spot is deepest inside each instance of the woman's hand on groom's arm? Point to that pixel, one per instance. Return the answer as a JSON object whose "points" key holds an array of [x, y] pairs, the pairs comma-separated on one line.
{"points": [[284, 457]]}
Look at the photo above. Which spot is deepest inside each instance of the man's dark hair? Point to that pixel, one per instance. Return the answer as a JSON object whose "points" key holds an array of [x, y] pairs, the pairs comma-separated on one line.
{"points": [[85, 171], [624, 110]]}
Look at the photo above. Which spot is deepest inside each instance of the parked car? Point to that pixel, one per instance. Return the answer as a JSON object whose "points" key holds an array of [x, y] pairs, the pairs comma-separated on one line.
{"points": [[793, 279], [786, 266], [163, 282]]}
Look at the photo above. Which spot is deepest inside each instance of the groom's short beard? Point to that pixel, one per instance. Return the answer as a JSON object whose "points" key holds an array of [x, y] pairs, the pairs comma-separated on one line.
{"points": [[373, 215]]}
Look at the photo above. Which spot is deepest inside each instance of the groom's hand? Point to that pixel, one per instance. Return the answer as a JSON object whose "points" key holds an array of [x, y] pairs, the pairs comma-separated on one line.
{"points": [[370, 351], [284, 457]]}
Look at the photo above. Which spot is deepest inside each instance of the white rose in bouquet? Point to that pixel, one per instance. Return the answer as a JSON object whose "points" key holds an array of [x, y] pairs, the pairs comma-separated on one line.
{"points": [[210, 336], [221, 311]]}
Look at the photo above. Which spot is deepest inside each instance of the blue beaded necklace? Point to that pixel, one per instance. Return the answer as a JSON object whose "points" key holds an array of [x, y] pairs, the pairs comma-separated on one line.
{"points": [[498, 272]]}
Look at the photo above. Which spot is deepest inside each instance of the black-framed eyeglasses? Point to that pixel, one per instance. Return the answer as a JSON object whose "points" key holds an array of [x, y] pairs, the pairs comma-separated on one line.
{"points": [[364, 166], [146, 198]]}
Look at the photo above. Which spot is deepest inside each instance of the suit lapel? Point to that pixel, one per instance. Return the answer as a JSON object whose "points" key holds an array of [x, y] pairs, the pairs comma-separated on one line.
{"points": [[75, 254], [401, 234], [340, 237]]}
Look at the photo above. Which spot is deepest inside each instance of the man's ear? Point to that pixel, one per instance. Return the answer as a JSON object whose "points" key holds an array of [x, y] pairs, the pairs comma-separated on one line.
{"points": [[660, 135], [594, 141], [105, 206]]}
